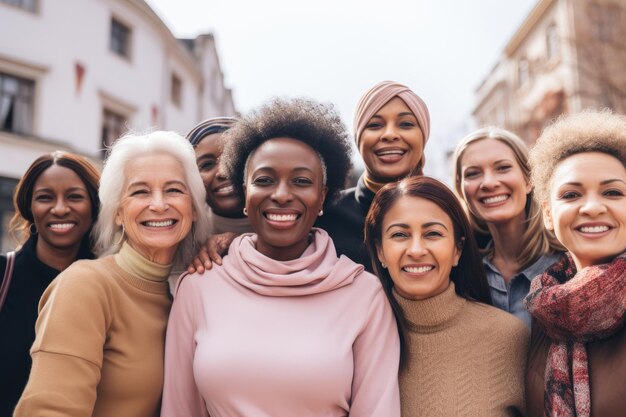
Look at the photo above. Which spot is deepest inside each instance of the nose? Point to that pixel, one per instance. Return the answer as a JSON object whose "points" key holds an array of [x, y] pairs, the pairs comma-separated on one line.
{"points": [[416, 247], [489, 180], [221, 176], [282, 193], [593, 206], [390, 133], [157, 202], [60, 207]]}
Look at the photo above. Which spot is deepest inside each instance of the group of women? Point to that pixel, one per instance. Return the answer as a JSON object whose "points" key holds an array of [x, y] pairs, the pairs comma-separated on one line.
{"points": [[396, 297]]}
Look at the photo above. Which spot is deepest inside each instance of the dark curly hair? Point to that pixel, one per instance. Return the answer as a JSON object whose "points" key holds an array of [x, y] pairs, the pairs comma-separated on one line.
{"points": [[315, 124]]}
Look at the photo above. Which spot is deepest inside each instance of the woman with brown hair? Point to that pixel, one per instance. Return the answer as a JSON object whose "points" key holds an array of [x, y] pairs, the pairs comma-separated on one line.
{"points": [[56, 204], [459, 355]]}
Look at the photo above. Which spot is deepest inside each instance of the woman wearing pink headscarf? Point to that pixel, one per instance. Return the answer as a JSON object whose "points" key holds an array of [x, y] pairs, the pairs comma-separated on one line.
{"points": [[391, 128]]}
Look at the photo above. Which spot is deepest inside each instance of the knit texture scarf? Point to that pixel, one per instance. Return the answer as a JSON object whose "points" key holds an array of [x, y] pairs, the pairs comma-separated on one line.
{"points": [[574, 308]]}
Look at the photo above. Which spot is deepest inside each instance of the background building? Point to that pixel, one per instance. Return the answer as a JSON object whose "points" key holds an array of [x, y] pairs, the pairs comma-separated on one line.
{"points": [[75, 75], [567, 55]]}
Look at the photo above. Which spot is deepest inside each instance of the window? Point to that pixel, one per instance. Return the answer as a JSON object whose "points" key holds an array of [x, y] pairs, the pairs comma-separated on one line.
{"points": [[120, 38], [523, 72], [30, 5], [552, 42], [176, 90], [113, 126], [16, 104]]}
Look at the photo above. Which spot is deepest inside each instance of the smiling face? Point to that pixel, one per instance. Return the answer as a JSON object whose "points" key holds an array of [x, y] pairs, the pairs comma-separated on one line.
{"points": [[220, 193], [61, 208], [587, 207], [284, 194], [419, 248], [156, 207], [392, 143], [493, 183]]}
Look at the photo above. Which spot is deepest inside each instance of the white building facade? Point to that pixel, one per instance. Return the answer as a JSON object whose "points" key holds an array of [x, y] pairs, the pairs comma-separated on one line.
{"points": [[74, 75]]}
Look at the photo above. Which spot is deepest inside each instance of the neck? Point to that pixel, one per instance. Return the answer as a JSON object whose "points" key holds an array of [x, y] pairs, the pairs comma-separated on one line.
{"points": [[57, 258], [372, 184], [231, 215], [283, 253], [506, 239]]}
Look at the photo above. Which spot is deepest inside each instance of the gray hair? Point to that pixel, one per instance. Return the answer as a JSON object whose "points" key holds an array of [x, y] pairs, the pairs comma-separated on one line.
{"points": [[130, 146]]}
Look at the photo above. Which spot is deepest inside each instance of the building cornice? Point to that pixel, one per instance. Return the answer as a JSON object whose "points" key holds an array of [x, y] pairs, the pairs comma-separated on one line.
{"points": [[527, 26]]}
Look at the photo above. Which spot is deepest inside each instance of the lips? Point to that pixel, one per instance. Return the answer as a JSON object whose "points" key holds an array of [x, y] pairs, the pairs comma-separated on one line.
{"points": [[62, 227], [418, 269], [390, 155], [281, 219], [224, 190], [495, 199], [159, 223], [593, 228]]}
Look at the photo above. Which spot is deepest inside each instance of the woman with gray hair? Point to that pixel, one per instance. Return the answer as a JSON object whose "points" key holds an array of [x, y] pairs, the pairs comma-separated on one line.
{"points": [[101, 330]]}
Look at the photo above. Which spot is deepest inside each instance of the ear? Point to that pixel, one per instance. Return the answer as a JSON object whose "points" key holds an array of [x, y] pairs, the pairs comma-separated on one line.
{"points": [[324, 192], [529, 187], [458, 250], [547, 215], [379, 252], [118, 217]]}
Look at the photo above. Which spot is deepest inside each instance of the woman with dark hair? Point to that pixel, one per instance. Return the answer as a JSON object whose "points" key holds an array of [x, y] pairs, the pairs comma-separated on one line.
{"points": [[458, 352], [226, 206], [577, 359], [492, 177], [391, 128], [56, 204], [314, 333]]}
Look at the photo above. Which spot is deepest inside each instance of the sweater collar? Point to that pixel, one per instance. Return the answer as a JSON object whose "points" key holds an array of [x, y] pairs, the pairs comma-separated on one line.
{"points": [[318, 270], [432, 313], [364, 196], [136, 265]]}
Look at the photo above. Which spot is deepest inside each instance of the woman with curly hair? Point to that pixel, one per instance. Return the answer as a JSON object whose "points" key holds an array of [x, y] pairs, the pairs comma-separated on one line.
{"points": [[492, 178], [284, 327], [577, 359]]}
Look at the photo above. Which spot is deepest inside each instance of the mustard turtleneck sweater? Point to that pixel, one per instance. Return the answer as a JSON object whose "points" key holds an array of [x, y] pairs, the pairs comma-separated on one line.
{"points": [[466, 359], [100, 340]]}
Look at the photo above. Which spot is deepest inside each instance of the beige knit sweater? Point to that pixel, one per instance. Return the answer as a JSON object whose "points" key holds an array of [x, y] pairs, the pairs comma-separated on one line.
{"points": [[100, 341], [466, 359]]}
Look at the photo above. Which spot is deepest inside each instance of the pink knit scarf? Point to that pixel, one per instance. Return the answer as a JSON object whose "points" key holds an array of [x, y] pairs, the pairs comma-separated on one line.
{"points": [[574, 308]]}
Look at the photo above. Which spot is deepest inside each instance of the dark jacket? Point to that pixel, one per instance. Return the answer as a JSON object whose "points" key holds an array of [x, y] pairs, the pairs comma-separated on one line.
{"points": [[17, 321], [345, 221], [607, 373]]}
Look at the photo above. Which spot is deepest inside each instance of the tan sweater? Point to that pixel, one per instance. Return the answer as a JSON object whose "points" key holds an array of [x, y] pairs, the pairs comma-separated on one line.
{"points": [[466, 359], [100, 341]]}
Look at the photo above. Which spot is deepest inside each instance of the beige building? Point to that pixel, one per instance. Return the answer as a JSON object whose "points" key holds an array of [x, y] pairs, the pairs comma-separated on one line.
{"points": [[566, 56], [74, 75]]}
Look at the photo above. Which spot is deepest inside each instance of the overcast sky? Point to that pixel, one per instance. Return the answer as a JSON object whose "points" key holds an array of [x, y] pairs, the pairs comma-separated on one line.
{"points": [[333, 50]]}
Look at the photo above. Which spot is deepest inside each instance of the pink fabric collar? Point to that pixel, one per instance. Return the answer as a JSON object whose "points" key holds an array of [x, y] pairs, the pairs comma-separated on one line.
{"points": [[318, 270]]}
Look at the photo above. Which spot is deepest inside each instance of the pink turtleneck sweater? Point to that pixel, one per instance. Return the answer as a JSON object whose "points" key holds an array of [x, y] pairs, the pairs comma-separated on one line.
{"points": [[314, 336]]}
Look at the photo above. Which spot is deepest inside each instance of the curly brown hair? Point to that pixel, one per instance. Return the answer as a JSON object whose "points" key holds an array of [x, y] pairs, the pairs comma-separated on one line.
{"points": [[315, 124], [588, 131]]}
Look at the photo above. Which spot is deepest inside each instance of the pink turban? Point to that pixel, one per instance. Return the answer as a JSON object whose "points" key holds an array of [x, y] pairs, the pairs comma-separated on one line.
{"points": [[377, 96]]}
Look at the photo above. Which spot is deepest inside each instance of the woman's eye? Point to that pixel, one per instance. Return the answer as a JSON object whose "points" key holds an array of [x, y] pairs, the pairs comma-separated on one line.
{"points": [[568, 195], [303, 181], [138, 192], [614, 193], [470, 174], [174, 190], [407, 124], [76, 197], [433, 234], [398, 235], [262, 181], [373, 125], [207, 165], [504, 167], [43, 197]]}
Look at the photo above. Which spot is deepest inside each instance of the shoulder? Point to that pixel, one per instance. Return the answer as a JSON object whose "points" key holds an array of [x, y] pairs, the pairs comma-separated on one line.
{"points": [[87, 274], [190, 284], [497, 324]]}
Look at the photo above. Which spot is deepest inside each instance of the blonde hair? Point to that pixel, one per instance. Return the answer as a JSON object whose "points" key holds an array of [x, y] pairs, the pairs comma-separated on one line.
{"points": [[588, 131], [536, 240], [125, 149]]}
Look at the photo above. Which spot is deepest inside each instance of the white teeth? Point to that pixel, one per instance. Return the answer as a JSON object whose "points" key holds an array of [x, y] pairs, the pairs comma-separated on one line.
{"points": [[594, 229], [391, 152], [496, 199], [282, 217], [62, 226], [164, 223], [418, 269], [225, 190]]}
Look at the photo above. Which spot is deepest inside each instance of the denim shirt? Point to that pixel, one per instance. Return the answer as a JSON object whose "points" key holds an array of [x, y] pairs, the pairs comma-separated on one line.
{"points": [[510, 298]]}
